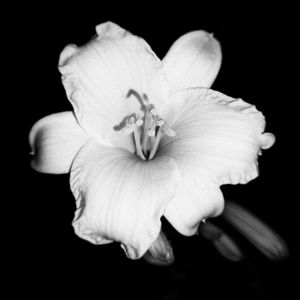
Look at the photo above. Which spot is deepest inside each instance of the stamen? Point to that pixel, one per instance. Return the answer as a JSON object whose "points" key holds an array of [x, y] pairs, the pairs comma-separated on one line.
{"points": [[160, 122], [147, 131], [137, 139], [168, 131], [129, 123], [155, 145], [150, 132]]}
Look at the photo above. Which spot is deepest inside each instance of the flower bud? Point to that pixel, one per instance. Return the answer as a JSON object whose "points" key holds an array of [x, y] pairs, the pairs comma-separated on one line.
{"points": [[222, 242], [160, 252], [257, 232]]}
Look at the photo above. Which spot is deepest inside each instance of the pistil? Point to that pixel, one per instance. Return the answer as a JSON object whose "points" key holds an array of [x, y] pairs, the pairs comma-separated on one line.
{"points": [[146, 132]]}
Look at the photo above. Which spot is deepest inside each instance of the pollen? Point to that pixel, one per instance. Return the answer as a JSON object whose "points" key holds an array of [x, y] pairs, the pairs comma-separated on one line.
{"points": [[146, 130]]}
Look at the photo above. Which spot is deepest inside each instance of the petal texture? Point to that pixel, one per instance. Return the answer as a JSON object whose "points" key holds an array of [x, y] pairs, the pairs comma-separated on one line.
{"points": [[119, 197], [196, 199], [217, 142], [193, 61], [98, 76], [55, 140]]}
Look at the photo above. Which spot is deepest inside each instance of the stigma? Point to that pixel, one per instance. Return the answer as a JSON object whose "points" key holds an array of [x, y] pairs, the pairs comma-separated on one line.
{"points": [[146, 129]]}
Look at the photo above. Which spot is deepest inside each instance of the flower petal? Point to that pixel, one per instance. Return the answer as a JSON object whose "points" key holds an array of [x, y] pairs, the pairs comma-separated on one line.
{"points": [[193, 60], [217, 137], [217, 142], [256, 231], [195, 200], [55, 140], [120, 197], [98, 76]]}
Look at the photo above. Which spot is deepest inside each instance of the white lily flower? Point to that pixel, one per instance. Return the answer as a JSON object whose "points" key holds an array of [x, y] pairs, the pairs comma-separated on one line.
{"points": [[147, 138]]}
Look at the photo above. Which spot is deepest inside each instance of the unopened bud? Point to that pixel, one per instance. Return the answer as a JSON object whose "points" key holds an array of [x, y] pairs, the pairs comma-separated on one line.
{"points": [[160, 252], [222, 242], [257, 232], [228, 248]]}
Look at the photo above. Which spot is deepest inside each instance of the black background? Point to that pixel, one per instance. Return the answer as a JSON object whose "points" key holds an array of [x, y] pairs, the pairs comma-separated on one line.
{"points": [[45, 258]]}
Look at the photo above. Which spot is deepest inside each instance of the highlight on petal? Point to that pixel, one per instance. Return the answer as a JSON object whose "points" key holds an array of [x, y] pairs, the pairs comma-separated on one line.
{"points": [[196, 199], [217, 142], [256, 231], [160, 252], [55, 140], [217, 136], [98, 76], [120, 197], [222, 242], [193, 60]]}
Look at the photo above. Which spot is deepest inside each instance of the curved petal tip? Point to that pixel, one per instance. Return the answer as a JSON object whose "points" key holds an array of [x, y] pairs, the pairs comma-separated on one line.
{"points": [[110, 28], [66, 53], [193, 60], [268, 140]]}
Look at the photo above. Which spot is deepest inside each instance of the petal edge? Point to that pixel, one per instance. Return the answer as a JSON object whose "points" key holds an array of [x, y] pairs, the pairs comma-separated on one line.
{"points": [[55, 140], [119, 197], [193, 60]]}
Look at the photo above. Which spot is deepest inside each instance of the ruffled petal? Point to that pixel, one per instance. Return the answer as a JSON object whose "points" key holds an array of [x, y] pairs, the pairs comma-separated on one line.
{"points": [[120, 197], [193, 60], [55, 140], [98, 76], [217, 142]]}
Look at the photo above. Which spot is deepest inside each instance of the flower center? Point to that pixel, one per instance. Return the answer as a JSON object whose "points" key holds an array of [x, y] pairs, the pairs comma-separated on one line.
{"points": [[147, 130]]}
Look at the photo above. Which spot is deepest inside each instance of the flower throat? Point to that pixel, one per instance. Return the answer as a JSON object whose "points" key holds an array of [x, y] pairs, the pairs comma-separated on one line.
{"points": [[146, 130]]}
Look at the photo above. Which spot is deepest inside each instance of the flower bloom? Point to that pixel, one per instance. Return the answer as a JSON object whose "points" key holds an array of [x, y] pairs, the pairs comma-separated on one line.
{"points": [[147, 137]]}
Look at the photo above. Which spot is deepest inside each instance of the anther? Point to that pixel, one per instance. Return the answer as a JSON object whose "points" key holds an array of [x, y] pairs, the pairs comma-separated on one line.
{"points": [[150, 132], [139, 122], [168, 131], [159, 122]]}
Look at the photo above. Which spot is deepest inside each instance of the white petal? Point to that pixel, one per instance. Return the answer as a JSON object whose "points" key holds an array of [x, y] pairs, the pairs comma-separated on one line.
{"points": [[217, 142], [120, 197], [195, 200], [55, 140], [193, 61], [217, 136], [256, 231], [98, 76]]}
